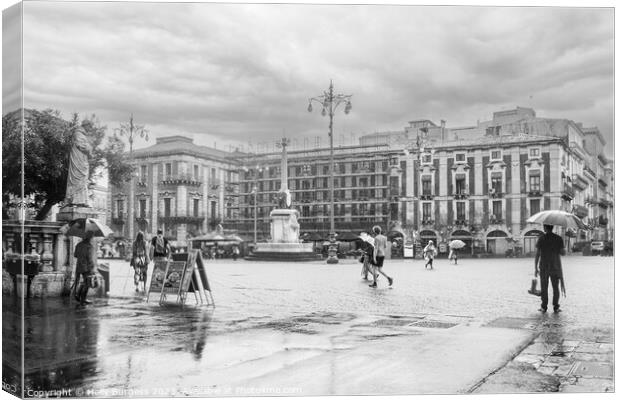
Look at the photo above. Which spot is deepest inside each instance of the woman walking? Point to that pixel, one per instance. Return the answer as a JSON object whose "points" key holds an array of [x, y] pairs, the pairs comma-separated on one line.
{"points": [[86, 266], [430, 251], [368, 251], [140, 261]]}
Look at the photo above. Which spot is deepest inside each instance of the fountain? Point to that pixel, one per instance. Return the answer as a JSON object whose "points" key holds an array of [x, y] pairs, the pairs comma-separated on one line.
{"points": [[284, 244]]}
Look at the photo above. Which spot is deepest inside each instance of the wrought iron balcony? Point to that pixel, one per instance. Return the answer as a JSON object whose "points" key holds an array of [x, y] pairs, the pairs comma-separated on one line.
{"points": [[181, 179], [568, 193], [119, 219], [495, 194], [493, 219], [580, 211], [426, 196], [461, 194], [534, 193], [189, 218]]}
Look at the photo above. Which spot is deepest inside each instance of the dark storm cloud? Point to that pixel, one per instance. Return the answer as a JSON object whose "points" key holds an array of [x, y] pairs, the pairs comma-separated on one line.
{"points": [[233, 72]]}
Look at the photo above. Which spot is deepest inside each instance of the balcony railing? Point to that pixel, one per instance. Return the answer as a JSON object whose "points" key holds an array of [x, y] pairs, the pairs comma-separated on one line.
{"points": [[188, 218], [568, 193], [460, 222], [428, 222], [496, 194], [143, 216], [426, 196], [141, 182], [181, 179], [534, 193], [461, 194], [493, 219], [119, 219], [580, 211]]}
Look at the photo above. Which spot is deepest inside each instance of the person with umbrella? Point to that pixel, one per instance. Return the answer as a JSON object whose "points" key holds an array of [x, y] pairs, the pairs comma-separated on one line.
{"points": [[430, 251], [454, 246], [86, 266], [549, 248]]}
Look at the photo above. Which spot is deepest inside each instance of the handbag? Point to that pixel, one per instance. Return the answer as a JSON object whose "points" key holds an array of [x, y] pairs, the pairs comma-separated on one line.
{"points": [[533, 290], [92, 281]]}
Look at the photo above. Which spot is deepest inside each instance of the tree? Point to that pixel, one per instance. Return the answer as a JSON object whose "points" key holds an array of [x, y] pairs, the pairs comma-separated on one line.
{"points": [[47, 141]]}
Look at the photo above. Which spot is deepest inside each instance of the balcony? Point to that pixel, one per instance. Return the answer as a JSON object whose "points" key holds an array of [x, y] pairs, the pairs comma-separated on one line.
{"points": [[534, 193], [142, 182], [426, 196], [119, 219], [143, 216], [580, 211], [461, 194], [181, 179], [189, 218], [495, 194], [460, 222], [427, 222], [568, 193], [493, 219], [580, 182]]}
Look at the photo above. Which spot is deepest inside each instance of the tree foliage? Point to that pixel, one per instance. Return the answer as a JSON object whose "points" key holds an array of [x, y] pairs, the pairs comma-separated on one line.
{"points": [[47, 142]]}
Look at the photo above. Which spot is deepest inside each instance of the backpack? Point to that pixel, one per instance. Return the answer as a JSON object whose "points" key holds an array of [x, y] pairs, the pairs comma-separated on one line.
{"points": [[159, 249]]}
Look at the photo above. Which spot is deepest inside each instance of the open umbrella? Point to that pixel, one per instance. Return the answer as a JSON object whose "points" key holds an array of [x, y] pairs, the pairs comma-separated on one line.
{"points": [[78, 227], [557, 218], [456, 244]]}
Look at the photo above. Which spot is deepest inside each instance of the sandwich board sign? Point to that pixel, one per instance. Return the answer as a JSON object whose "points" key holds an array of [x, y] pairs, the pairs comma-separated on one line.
{"points": [[167, 280], [195, 277]]}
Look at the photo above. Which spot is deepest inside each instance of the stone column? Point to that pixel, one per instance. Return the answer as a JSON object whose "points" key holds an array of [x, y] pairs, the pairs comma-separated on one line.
{"points": [[47, 257]]}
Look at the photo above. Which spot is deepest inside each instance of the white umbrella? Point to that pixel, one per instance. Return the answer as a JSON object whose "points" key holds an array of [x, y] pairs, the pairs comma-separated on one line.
{"points": [[78, 227], [557, 218], [456, 244]]}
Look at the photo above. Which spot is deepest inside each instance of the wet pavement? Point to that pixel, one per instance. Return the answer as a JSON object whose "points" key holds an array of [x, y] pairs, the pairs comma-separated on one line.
{"points": [[318, 329]]}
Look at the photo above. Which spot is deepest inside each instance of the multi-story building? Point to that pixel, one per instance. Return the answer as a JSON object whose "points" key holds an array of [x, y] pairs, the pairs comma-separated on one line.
{"points": [[478, 183], [368, 180], [180, 187]]}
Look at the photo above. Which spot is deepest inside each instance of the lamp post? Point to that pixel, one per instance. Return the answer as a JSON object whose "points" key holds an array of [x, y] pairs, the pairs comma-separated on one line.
{"points": [[330, 102], [419, 144], [255, 192], [130, 130]]}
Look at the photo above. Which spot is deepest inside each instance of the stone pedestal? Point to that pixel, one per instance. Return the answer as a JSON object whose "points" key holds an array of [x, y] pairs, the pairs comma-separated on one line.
{"points": [[69, 213], [285, 244]]}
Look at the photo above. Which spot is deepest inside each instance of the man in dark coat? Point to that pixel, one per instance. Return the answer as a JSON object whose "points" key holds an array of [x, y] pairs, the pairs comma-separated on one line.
{"points": [[549, 248]]}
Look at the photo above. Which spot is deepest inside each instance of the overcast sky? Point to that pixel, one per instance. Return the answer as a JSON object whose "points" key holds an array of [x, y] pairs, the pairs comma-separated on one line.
{"points": [[231, 73]]}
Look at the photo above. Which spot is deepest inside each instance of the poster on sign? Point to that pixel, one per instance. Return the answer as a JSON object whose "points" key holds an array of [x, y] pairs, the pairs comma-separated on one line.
{"points": [[194, 279], [157, 277]]}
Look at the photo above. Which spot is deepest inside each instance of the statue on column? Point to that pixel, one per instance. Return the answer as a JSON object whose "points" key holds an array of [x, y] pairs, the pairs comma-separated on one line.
{"points": [[77, 177], [284, 199]]}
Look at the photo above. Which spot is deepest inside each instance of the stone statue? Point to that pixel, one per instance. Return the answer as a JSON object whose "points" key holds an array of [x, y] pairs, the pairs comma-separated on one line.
{"points": [[284, 199], [77, 179]]}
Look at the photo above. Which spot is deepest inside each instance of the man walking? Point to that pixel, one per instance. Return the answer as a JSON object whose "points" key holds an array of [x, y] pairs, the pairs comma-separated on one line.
{"points": [[549, 248], [380, 249]]}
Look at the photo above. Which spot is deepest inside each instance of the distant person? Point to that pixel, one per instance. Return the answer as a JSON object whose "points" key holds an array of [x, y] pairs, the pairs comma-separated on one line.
{"points": [[549, 248], [368, 251], [430, 251], [86, 266], [453, 255], [140, 261], [235, 253], [160, 247], [380, 250]]}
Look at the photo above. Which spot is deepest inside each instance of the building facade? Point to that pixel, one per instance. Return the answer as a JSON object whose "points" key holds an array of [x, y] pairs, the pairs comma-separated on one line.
{"points": [[478, 184], [182, 188]]}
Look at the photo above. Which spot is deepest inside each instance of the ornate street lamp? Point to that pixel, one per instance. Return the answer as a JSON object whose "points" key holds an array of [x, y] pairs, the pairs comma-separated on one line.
{"points": [[130, 130], [330, 102], [255, 173]]}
